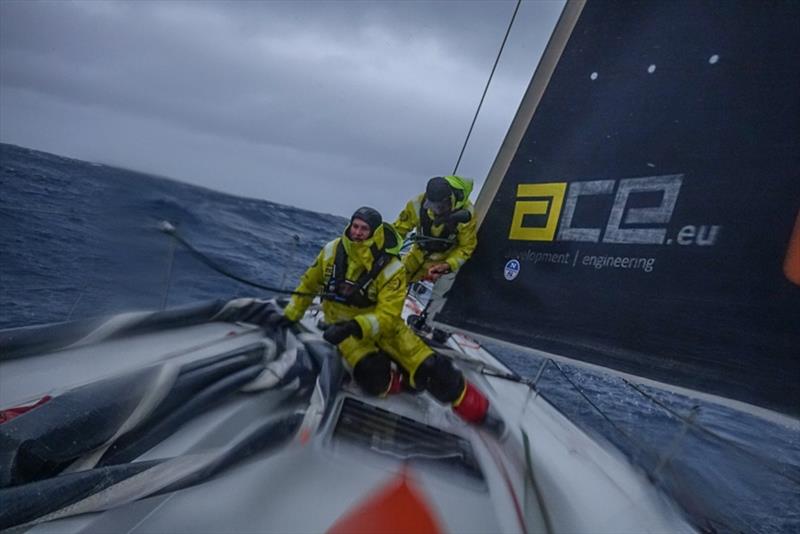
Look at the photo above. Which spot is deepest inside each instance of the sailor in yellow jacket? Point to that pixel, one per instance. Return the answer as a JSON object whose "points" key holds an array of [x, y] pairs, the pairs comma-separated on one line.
{"points": [[446, 234], [363, 284]]}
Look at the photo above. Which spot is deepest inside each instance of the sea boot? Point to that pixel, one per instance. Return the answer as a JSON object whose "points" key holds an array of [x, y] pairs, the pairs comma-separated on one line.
{"points": [[401, 383], [396, 383], [473, 407]]}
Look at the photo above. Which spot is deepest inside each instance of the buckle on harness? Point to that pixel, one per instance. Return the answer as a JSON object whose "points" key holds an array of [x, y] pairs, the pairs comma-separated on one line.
{"points": [[344, 292], [346, 288]]}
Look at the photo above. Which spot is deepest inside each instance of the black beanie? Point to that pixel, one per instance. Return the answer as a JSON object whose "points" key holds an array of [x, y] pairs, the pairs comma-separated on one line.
{"points": [[438, 189], [369, 216]]}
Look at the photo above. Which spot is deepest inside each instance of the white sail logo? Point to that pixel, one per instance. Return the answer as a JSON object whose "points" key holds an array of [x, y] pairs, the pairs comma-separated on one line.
{"points": [[557, 202], [511, 269]]}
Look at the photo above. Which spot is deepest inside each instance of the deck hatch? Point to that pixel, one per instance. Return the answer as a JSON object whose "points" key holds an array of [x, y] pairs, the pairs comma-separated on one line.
{"points": [[393, 434]]}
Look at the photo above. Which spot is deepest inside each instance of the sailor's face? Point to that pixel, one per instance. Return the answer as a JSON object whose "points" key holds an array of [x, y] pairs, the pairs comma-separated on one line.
{"points": [[438, 208], [359, 230]]}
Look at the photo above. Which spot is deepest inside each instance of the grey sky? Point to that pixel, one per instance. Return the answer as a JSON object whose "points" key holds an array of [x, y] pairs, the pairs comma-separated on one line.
{"points": [[320, 105]]}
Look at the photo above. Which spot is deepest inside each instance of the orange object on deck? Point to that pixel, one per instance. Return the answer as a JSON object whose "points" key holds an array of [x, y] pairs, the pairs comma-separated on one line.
{"points": [[395, 508]]}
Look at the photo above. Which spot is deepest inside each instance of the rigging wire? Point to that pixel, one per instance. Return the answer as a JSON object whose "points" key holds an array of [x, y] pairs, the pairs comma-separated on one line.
{"points": [[689, 422], [424, 313], [652, 475], [772, 466], [597, 408], [638, 447], [170, 230], [486, 89]]}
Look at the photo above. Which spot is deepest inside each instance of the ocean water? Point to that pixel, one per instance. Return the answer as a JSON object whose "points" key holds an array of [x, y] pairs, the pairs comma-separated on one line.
{"points": [[79, 239]]}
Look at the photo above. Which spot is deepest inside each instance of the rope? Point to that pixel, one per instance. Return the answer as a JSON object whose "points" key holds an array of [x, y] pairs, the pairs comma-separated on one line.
{"points": [[171, 231], [526, 441], [485, 89]]}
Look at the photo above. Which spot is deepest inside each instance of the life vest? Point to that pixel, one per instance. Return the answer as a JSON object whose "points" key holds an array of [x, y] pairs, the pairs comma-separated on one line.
{"points": [[356, 293], [461, 188], [439, 243]]}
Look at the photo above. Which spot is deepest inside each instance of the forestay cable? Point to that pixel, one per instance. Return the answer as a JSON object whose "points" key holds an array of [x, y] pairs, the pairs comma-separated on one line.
{"points": [[486, 89]]}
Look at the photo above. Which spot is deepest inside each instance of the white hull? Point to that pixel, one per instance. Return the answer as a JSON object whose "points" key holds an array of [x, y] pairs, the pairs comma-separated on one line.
{"points": [[326, 470]]}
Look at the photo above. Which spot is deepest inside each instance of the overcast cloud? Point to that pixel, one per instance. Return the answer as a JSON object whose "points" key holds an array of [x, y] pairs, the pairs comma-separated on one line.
{"points": [[320, 105]]}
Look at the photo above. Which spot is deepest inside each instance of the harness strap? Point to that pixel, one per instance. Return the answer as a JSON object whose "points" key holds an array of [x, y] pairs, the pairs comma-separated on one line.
{"points": [[357, 292], [449, 234]]}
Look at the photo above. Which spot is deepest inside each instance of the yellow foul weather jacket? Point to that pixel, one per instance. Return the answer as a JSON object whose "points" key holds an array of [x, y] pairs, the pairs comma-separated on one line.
{"points": [[381, 323], [465, 239]]}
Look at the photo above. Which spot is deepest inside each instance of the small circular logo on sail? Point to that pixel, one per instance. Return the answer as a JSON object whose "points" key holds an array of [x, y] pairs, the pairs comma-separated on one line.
{"points": [[511, 269]]}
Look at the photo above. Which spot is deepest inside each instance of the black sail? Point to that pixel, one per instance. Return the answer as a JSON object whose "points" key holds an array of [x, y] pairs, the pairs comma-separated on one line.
{"points": [[643, 214]]}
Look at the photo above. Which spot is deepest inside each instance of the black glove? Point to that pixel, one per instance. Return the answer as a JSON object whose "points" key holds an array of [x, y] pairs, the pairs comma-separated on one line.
{"points": [[336, 333], [458, 217]]}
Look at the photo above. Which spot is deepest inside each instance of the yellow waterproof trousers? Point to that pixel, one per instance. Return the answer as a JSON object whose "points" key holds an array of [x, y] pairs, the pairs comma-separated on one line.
{"points": [[402, 345]]}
